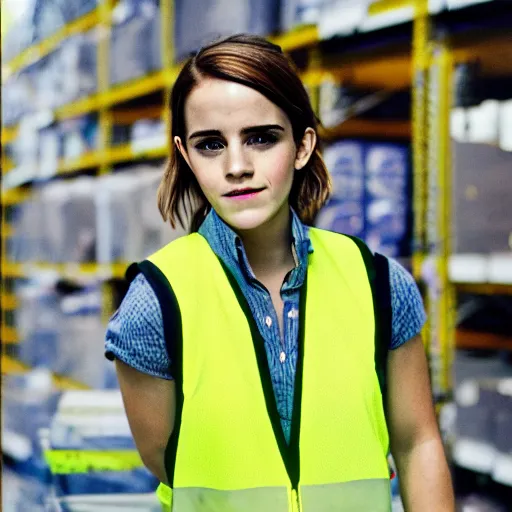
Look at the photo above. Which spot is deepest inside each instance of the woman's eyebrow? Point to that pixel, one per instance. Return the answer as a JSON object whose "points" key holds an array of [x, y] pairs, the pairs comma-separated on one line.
{"points": [[204, 133], [245, 131], [262, 128]]}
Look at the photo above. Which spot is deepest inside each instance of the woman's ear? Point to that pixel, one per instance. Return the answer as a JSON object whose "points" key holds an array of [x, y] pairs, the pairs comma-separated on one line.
{"points": [[305, 149], [182, 150]]}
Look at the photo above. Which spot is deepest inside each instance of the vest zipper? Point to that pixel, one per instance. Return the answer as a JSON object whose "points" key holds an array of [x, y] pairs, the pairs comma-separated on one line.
{"points": [[295, 497]]}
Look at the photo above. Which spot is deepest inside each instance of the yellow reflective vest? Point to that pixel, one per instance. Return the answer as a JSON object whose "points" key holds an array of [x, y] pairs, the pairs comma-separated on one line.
{"points": [[227, 452]]}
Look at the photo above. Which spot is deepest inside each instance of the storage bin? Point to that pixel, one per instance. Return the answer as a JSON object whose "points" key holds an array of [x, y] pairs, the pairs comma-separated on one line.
{"points": [[199, 22], [482, 210], [38, 320], [77, 65], [344, 160], [388, 173], [387, 227], [129, 224], [81, 348], [135, 47], [33, 396], [388, 196], [95, 420], [299, 12], [345, 217]]}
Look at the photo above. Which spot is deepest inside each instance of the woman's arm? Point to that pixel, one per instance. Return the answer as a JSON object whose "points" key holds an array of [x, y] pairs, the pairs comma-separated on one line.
{"points": [[150, 404], [135, 340], [416, 444]]}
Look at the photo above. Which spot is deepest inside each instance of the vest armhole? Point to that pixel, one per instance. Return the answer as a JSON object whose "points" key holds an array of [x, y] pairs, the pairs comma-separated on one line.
{"points": [[377, 268], [171, 315], [132, 272], [368, 258], [173, 334], [384, 319]]}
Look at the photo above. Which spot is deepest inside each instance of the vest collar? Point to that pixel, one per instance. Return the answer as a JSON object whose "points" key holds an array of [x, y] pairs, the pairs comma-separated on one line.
{"points": [[228, 246]]}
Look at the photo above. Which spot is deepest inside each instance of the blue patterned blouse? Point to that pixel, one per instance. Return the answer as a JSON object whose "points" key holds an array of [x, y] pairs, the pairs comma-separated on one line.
{"points": [[135, 332]]}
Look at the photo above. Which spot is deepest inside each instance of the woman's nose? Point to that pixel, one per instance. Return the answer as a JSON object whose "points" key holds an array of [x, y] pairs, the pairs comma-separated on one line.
{"points": [[238, 162]]}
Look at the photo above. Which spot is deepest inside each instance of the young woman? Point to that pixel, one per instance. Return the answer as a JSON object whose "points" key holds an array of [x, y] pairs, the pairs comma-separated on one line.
{"points": [[253, 354]]}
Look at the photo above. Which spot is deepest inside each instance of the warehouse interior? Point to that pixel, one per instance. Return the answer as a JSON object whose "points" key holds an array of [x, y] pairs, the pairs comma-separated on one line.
{"points": [[415, 103]]}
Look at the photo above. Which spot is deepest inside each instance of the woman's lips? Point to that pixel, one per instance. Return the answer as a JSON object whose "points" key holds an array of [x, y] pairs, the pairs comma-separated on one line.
{"points": [[243, 193]]}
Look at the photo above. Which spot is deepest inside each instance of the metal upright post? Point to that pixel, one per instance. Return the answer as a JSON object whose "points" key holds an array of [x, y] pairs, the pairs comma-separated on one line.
{"points": [[421, 54], [440, 292], [167, 45], [105, 119], [3, 277], [420, 66], [103, 71]]}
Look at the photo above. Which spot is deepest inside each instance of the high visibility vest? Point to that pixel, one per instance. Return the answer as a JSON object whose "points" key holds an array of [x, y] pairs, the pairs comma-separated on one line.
{"points": [[227, 452]]}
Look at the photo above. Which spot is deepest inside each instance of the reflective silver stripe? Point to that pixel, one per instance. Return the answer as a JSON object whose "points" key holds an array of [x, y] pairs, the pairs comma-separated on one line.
{"points": [[262, 499], [356, 496]]}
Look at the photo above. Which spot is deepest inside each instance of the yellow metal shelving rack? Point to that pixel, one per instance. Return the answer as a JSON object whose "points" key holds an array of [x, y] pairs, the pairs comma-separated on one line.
{"points": [[103, 103], [40, 50], [431, 104], [441, 295], [428, 69], [433, 61]]}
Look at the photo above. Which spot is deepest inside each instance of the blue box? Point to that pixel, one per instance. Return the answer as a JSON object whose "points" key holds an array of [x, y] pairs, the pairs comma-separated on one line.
{"points": [[388, 199], [388, 173], [345, 162], [345, 217], [388, 227], [388, 247], [40, 346], [371, 199], [299, 12], [137, 481], [388, 217], [27, 485]]}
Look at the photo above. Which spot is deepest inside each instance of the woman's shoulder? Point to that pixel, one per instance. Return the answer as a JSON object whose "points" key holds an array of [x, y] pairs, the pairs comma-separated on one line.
{"points": [[408, 312], [135, 333], [140, 304]]}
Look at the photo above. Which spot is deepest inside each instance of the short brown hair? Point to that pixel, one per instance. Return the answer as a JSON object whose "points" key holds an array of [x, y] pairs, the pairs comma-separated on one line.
{"points": [[261, 65]]}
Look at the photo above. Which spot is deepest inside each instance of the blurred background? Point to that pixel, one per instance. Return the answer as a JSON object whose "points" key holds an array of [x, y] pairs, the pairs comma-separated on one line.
{"points": [[415, 98]]}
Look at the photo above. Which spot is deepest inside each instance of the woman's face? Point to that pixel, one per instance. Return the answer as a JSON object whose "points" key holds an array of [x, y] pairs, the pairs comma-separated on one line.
{"points": [[240, 147]]}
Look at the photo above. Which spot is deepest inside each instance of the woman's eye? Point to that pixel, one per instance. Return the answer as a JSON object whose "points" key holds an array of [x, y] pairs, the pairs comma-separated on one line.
{"points": [[210, 145], [262, 139]]}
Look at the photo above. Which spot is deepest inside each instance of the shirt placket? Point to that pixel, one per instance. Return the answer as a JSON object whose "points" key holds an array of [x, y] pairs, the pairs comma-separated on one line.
{"points": [[290, 334], [272, 325]]}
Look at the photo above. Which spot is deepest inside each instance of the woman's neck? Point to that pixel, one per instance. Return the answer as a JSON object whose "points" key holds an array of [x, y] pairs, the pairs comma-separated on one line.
{"points": [[268, 247]]}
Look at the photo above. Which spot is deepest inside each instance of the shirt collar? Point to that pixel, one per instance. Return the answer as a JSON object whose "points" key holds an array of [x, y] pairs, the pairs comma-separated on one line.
{"points": [[226, 244]]}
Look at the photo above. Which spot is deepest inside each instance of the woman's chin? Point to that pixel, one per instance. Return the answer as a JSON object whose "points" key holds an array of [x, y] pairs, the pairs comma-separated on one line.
{"points": [[246, 220]]}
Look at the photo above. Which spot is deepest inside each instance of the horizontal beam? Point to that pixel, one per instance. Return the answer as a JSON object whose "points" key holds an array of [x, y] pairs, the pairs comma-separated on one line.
{"points": [[66, 270], [8, 335], [484, 288], [9, 134], [45, 47], [65, 462], [13, 366], [471, 340], [297, 39], [9, 302], [14, 196], [384, 6], [356, 127]]}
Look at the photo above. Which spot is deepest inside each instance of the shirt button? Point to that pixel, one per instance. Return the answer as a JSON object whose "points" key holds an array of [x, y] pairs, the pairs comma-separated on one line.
{"points": [[268, 321], [293, 313]]}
